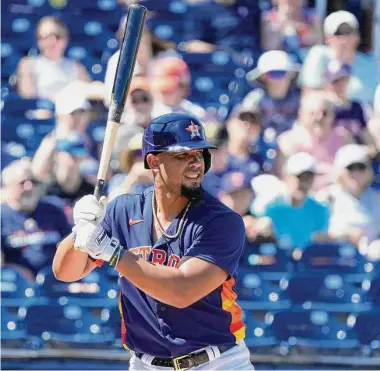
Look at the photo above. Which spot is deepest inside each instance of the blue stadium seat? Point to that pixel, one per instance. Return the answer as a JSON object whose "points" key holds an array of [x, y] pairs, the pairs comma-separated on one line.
{"points": [[313, 332], [16, 291], [19, 29], [12, 327], [329, 292], [67, 326], [374, 291], [96, 130], [255, 293], [28, 133], [258, 335], [367, 326], [16, 106], [334, 258], [268, 260], [91, 291]]}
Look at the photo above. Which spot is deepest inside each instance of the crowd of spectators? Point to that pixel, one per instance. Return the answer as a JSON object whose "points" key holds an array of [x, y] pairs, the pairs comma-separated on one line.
{"points": [[296, 156]]}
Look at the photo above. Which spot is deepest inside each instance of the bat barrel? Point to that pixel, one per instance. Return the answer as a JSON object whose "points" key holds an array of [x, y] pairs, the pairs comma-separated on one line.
{"points": [[124, 72]]}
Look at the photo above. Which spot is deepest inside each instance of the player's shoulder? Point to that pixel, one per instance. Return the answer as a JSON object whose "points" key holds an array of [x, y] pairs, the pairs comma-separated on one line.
{"points": [[131, 200], [212, 211]]}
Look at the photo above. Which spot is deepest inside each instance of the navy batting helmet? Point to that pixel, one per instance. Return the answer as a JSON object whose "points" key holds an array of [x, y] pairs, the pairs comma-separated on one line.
{"points": [[176, 132]]}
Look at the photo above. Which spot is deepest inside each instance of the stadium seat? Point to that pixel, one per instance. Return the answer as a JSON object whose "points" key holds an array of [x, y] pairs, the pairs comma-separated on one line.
{"points": [[16, 291], [313, 332], [374, 291], [16, 106], [255, 293], [258, 335], [330, 293], [91, 291], [28, 133], [367, 326], [12, 328], [268, 260], [67, 326], [332, 258]]}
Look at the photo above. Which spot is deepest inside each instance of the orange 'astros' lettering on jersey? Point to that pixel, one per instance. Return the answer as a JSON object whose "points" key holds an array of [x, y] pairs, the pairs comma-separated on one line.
{"points": [[158, 256]]}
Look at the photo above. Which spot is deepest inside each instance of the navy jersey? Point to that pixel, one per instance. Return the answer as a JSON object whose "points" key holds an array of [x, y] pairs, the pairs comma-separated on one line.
{"points": [[30, 239], [351, 116], [211, 232]]}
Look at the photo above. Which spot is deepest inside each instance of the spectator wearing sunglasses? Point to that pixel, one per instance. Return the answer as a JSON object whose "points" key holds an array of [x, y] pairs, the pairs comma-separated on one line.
{"points": [[171, 86], [314, 133], [342, 37], [277, 97], [355, 207], [293, 217], [349, 114], [44, 75], [32, 224]]}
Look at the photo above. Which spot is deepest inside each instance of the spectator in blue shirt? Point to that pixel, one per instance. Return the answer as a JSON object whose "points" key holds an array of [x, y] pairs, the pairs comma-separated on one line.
{"points": [[32, 225], [294, 217]]}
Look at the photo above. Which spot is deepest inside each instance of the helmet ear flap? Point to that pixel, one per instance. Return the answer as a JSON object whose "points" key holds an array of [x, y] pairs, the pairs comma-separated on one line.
{"points": [[207, 159]]}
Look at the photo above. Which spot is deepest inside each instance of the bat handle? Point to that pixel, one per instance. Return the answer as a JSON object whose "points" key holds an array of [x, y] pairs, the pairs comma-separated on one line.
{"points": [[99, 186]]}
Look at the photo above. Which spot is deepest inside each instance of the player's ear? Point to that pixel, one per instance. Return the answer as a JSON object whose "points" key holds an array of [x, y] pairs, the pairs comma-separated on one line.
{"points": [[152, 161]]}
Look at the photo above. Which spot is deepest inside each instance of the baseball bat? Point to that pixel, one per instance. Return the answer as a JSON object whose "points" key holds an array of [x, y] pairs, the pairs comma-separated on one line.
{"points": [[127, 59]]}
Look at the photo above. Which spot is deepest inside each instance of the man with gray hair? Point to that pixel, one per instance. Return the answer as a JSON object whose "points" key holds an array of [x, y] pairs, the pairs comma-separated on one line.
{"points": [[32, 225]]}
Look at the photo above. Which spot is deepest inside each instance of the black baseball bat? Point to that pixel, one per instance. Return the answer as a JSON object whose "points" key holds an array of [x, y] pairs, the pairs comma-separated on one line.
{"points": [[127, 59]]}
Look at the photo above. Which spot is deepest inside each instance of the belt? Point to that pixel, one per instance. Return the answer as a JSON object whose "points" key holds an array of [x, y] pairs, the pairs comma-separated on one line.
{"points": [[186, 361]]}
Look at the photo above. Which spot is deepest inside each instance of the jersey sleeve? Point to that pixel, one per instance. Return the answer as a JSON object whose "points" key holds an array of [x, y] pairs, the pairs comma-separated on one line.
{"points": [[221, 242]]}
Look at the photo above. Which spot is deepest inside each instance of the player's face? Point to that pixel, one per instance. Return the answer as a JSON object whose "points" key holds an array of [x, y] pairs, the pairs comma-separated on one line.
{"points": [[182, 170]]}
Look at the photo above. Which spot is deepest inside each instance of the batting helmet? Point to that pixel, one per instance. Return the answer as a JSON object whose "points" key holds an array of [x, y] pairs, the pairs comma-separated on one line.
{"points": [[176, 132]]}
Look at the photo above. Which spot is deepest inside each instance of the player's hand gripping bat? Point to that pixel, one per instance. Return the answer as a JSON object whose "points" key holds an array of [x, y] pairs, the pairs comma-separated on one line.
{"points": [[124, 72]]}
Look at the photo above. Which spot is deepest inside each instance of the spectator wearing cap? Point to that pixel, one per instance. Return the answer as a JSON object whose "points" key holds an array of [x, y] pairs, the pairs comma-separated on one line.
{"points": [[249, 148], [349, 114], [44, 75], [171, 82], [341, 31], [294, 217], [355, 207], [315, 134], [32, 224], [290, 26], [277, 98], [236, 192]]}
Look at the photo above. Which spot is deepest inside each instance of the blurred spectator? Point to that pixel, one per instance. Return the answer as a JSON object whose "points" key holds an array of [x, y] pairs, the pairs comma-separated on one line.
{"points": [[294, 217], [171, 86], [138, 113], [374, 122], [46, 74], [149, 48], [355, 207], [278, 99], [236, 192], [66, 165], [249, 150], [342, 38], [135, 177], [32, 225], [230, 24], [314, 133], [290, 26], [349, 114]]}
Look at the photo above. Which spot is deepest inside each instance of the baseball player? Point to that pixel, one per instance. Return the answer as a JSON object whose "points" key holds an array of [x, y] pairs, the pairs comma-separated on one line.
{"points": [[176, 249]]}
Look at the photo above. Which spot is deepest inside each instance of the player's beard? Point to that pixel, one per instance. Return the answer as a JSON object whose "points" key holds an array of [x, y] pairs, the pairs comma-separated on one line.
{"points": [[191, 193]]}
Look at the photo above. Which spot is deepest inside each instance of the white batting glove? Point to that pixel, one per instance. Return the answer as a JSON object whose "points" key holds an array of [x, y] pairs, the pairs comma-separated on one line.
{"points": [[93, 240], [89, 209]]}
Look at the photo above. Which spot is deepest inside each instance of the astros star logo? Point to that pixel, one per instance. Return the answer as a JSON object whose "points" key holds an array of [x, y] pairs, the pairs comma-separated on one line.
{"points": [[194, 129]]}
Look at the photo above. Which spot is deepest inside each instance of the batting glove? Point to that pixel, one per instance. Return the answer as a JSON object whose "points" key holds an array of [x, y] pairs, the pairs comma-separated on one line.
{"points": [[93, 240], [89, 209]]}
